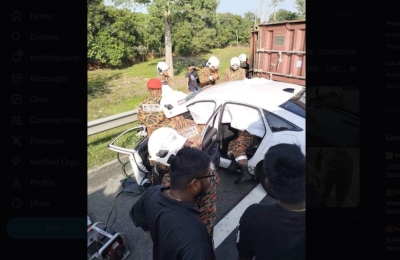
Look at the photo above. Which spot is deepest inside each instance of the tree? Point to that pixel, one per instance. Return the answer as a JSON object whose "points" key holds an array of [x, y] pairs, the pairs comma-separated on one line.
{"points": [[229, 29], [111, 34], [193, 26], [283, 15], [142, 50], [164, 5], [189, 25], [274, 4], [301, 7], [251, 17]]}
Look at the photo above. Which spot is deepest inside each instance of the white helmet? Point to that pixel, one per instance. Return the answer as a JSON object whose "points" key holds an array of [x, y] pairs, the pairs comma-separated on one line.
{"points": [[161, 66], [164, 142], [235, 63], [242, 57], [213, 61], [173, 101]]}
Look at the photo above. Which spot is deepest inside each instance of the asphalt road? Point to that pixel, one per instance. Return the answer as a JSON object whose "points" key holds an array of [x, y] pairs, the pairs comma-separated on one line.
{"points": [[104, 185]]}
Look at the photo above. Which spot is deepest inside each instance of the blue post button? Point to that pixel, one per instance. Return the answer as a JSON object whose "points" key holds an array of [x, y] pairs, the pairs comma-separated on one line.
{"points": [[47, 228]]}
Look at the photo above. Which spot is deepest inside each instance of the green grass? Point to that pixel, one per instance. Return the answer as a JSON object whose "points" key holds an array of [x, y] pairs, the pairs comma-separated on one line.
{"points": [[97, 144], [112, 91]]}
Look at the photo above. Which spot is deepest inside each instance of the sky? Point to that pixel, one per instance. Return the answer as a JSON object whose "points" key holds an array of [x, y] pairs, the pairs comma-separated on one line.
{"points": [[241, 7]]}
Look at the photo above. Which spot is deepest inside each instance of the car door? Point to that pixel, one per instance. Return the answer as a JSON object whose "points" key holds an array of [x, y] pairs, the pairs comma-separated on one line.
{"points": [[239, 116], [210, 137], [136, 138], [336, 126], [120, 143]]}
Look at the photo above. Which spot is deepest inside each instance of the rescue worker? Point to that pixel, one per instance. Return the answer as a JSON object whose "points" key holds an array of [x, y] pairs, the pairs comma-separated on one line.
{"points": [[244, 63], [235, 72], [150, 113], [162, 69], [188, 129], [338, 170], [209, 75], [237, 153]]}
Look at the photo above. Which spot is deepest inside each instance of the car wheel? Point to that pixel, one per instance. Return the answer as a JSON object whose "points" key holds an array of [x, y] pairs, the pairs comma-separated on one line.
{"points": [[261, 177]]}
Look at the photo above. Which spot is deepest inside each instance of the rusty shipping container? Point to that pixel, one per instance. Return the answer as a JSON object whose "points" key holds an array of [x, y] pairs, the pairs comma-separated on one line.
{"points": [[278, 51]]}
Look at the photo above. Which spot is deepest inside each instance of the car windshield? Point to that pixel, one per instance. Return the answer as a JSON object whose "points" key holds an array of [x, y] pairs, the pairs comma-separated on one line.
{"points": [[193, 94]]}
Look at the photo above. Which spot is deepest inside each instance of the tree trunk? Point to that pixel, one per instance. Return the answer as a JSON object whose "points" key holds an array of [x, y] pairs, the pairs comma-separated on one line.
{"points": [[237, 38], [168, 45]]}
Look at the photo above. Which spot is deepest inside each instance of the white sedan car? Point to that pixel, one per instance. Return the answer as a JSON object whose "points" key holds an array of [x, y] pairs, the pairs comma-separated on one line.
{"points": [[273, 111]]}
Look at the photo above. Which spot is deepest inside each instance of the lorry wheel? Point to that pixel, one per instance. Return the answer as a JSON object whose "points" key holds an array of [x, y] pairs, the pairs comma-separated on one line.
{"points": [[261, 177]]}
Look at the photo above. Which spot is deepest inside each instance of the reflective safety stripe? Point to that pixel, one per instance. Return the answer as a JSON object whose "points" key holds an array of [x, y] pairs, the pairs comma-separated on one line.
{"points": [[151, 107], [242, 157], [189, 132]]}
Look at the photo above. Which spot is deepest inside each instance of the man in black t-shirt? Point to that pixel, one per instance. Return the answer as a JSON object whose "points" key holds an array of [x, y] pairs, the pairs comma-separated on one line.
{"points": [[277, 230], [171, 215], [192, 78]]}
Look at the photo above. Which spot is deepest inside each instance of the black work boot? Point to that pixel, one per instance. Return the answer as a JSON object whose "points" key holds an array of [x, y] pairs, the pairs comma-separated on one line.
{"points": [[244, 176], [232, 167]]}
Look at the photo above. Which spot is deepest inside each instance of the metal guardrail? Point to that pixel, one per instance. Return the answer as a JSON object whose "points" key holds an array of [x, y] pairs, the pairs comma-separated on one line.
{"points": [[110, 122]]}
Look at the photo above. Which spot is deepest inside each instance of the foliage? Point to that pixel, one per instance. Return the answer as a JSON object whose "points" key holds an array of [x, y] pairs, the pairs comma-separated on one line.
{"points": [[301, 8], [142, 50], [283, 15], [274, 4], [111, 34], [115, 32], [233, 28]]}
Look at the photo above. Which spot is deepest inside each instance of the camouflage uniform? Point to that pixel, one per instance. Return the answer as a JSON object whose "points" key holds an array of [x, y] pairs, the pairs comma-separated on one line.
{"points": [[238, 147], [207, 206], [151, 115], [231, 74], [163, 78], [204, 77], [201, 127], [338, 172], [189, 129]]}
